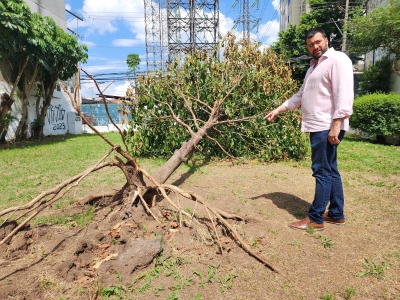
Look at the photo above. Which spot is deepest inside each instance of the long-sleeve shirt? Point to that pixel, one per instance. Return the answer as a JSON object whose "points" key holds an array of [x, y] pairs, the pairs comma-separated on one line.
{"points": [[326, 94]]}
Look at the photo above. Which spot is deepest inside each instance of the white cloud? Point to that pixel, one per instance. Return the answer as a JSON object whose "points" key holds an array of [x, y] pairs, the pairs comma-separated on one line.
{"points": [[89, 90], [106, 66], [269, 32], [67, 6], [276, 4], [125, 42], [88, 43], [225, 24], [103, 16]]}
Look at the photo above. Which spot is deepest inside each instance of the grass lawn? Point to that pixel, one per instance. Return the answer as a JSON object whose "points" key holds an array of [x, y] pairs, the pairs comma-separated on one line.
{"points": [[33, 166], [359, 260]]}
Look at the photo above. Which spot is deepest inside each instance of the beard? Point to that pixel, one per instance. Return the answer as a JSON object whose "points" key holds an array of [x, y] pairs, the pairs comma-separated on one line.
{"points": [[319, 52]]}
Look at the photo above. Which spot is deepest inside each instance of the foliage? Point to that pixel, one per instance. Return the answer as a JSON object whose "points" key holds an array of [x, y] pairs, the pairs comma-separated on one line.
{"points": [[376, 78], [15, 25], [37, 123], [36, 49], [291, 44], [133, 62], [377, 114], [380, 28], [7, 120], [375, 269], [243, 85], [323, 13]]}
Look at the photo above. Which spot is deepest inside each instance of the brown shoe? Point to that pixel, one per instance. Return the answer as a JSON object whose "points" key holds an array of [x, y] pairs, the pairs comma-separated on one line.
{"points": [[328, 219], [306, 223]]}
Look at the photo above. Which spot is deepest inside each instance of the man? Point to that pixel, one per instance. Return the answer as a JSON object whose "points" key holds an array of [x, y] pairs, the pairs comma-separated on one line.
{"points": [[326, 99]]}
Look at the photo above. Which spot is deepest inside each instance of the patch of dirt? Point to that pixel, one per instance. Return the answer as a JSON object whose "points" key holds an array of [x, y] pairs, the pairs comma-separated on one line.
{"points": [[125, 254]]}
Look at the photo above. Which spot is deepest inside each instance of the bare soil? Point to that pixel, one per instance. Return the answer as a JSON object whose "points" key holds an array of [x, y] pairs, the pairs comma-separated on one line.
{"points": [[125, 254]]}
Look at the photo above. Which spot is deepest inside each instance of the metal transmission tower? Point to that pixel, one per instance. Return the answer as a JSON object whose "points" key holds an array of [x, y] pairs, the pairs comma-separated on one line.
{"points": [[245, 18], [192, 24], [156, 34]]}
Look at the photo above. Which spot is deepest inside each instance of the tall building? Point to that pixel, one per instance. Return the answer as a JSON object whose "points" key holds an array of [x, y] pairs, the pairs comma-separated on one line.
{"points": [[290, 12], [50, 8]]}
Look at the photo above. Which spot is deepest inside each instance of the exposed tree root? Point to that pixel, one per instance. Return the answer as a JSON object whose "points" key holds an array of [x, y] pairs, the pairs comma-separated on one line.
{"points": [[136, 186], [91, 198], [193, 196], [42, 201]]}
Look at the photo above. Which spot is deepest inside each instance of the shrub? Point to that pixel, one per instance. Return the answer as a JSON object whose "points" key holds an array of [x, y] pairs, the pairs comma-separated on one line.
{"points": [[193, 86], [377, 114], [376, 78]]}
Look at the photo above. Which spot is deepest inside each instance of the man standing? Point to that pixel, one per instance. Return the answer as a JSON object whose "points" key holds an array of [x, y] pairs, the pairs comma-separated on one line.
{"points": [[326, 99]]}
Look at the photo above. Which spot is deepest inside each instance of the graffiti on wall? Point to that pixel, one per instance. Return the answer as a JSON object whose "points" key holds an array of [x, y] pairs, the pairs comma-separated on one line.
{"points": [[55, 117]]}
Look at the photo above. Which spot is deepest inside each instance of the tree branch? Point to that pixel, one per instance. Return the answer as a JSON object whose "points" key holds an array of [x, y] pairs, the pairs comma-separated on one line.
{"points": [[106, 107], [172, 112]]}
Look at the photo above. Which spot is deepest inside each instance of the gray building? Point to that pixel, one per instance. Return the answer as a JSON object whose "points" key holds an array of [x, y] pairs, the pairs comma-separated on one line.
{"points": [[290, 12], [50, 8]]}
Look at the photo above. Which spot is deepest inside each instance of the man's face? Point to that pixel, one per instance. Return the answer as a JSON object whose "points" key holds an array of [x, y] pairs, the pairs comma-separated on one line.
{"points": [[317, 45]]}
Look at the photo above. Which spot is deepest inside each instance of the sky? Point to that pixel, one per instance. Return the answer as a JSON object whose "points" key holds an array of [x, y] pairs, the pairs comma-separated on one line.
{"points": [[112, 29]]}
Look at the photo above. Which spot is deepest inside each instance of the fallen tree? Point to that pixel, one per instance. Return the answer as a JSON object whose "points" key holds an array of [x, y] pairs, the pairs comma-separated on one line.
{"points": [[146, 188]]}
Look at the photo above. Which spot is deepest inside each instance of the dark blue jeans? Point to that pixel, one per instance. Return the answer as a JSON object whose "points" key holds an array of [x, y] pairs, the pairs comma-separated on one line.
{"points": [[328, 183]]}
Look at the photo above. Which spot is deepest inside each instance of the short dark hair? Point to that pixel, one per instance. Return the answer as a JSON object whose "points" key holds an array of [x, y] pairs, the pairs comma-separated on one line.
{"points": [[310, 33]]}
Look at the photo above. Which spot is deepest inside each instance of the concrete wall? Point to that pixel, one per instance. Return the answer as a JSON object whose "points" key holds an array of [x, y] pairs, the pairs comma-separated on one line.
{"points": [[291, 11], [50, 8], [395, 81], [58, 118]]}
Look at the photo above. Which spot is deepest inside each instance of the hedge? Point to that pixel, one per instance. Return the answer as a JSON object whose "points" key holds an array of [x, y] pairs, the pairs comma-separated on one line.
{"points": [[377, 114]]}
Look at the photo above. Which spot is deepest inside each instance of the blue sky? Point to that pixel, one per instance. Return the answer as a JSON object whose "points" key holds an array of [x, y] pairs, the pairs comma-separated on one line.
{"points": [[114, 28]]}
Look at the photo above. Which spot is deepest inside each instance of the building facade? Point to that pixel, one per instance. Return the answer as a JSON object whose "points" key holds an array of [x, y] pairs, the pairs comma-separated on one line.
{"points": [[375, 55], [54, 9], [61, 117], [290, 12]]}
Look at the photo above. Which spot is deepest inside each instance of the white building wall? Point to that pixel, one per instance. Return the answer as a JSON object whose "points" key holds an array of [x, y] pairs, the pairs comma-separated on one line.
{"points": [[56, 121], [291, 11], [50, 8], [373, 56], [395, 80]]}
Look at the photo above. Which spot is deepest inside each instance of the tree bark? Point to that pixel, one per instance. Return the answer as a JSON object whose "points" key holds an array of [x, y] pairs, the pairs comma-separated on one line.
{"points": [[6, 109], [22, 129], [180, 155], [47, 97]]}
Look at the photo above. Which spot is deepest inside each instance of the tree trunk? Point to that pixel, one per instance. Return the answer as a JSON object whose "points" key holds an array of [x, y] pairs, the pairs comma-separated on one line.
{"points": [[179, 156], [22, 129], [47, 97], [6, 109]]}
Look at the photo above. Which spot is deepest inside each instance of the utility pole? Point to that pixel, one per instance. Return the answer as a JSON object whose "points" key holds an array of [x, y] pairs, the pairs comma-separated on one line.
{"points": [[346, 18]]}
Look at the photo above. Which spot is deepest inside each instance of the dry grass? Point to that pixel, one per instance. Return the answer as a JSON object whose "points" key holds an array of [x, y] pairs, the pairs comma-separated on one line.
{"points": [[359, 260]]}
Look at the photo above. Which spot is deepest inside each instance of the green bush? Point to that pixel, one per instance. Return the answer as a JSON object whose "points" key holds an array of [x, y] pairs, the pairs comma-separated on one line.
{"points": [[191, 90], [376, 78], [377, 114]]}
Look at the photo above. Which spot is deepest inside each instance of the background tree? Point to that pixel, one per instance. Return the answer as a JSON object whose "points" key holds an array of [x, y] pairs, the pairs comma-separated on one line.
{"points": [[16, 29], [37, 45], [216, 106], [133, 62], [34, 49], [376, 78], [61, 61], [325, 14], [380, 28]]}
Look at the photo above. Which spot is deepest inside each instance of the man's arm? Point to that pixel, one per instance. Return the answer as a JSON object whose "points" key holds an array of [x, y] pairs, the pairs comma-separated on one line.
{"points": [[335, 130], [271, 116]]}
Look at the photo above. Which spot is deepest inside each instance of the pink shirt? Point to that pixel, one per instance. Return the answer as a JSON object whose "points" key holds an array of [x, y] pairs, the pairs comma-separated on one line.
{"points": [[326, 94]]}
